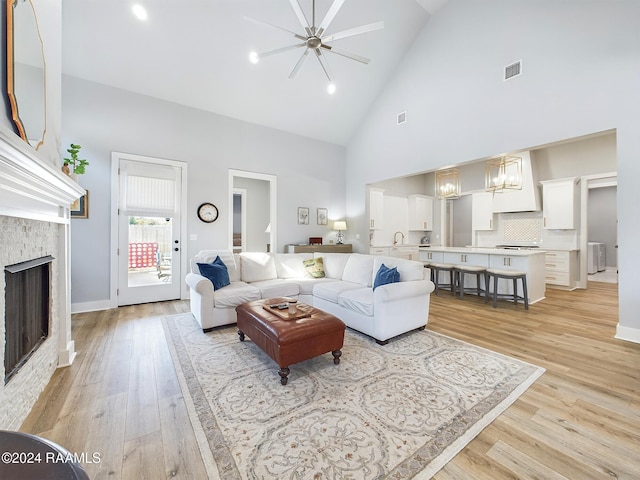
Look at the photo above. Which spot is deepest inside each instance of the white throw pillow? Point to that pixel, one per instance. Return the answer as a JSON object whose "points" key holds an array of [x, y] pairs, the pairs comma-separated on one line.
{"points": [[359, 269], [334, 263], [257, 266], [289, 265]]}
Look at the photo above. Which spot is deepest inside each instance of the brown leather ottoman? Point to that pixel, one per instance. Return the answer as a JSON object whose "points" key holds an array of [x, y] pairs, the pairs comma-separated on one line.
{"points": [[288, 341]]}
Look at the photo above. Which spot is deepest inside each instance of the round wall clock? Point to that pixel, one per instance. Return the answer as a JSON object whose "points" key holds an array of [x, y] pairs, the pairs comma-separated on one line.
{"points": [[208, 212]]}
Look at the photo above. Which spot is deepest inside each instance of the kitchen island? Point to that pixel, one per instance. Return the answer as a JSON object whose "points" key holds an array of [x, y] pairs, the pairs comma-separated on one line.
{"points": [[532, 262]]}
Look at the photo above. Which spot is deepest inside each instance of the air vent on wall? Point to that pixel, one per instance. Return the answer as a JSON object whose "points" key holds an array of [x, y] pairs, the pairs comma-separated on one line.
{"points": [[402, 117], [513, 70]]}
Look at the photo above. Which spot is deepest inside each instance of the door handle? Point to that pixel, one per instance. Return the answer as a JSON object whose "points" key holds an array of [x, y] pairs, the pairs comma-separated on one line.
{"points": [[176, 241], [176, 249]]}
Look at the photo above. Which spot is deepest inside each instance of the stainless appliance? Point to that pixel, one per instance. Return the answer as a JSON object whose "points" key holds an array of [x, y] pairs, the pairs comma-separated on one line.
{"points": [[517, 247], [596, 257]]}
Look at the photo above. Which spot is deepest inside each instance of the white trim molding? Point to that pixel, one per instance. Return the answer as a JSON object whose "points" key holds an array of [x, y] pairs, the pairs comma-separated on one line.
{"points": [[628, 334], [32, 189], [112, 302]]}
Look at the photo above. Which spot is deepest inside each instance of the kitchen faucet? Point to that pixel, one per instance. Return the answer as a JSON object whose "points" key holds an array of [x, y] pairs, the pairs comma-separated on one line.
{"points": [[395, 235]]}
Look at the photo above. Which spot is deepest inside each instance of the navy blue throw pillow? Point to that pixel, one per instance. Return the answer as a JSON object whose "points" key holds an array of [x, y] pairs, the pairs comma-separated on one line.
{"points": [[386, 275], [216, 272]]}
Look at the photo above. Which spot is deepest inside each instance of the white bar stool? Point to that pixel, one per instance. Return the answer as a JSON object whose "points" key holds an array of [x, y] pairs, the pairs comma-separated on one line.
{"points": [[513, 275], [460, 271], [436, 268]]}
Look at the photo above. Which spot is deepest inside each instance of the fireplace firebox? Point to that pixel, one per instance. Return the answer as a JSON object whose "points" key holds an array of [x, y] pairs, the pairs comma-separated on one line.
{"points": [[27, 311]]}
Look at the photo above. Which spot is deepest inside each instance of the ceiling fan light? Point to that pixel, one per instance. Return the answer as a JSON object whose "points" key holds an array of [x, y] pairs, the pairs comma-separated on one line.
{"points": [[254, 57], [331, 88]]}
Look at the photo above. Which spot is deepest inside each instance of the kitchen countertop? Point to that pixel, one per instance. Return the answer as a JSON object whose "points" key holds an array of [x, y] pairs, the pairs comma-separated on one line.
{"points": [[412, 245], [490, 251]]}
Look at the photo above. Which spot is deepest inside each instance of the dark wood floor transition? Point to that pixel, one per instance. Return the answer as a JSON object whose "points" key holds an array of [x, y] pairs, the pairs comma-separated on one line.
{"points": [[580, 420]]}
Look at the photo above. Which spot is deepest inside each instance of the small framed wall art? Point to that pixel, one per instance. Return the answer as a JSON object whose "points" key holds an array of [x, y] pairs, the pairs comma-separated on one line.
{"points": [[322, 216], [303, 215], [80, 208]]}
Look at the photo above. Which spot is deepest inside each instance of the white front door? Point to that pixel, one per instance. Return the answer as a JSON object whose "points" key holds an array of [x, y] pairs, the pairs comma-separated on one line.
{"points": [[149, 226]]}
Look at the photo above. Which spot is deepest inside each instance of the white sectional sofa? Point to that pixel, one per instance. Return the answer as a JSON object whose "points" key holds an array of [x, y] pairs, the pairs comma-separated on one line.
{"points": [[345, 291]]}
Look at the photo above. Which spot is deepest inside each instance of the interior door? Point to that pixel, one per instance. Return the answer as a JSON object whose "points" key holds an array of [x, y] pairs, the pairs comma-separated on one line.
{"points": [[149, 243]]}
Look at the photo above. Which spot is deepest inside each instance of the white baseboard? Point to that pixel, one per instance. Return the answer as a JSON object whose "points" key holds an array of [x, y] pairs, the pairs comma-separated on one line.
{"points": [[628, 334], [92, 306]]}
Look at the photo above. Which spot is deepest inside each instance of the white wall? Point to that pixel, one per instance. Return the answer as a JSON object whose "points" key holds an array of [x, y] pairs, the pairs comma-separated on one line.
{"points": [[581, 71], [104, 119]]}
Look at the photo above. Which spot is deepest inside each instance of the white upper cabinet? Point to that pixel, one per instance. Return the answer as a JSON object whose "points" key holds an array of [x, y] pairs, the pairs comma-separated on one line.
{"points": [[376, 208], [482, 211], [420, 212], [560, 203]]}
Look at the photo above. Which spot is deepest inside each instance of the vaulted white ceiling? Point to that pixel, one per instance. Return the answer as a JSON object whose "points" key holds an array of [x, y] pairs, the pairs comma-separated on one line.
{"points": [[195, 53]]}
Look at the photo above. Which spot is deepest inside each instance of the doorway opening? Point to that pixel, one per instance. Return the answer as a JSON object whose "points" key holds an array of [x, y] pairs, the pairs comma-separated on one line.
{"points": [[252, 214], [239, 219], [599, 224], [150, 196]]}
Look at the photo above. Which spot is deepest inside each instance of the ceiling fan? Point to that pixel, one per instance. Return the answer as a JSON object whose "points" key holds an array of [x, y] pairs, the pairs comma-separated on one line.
{"points": [[314, 39]]}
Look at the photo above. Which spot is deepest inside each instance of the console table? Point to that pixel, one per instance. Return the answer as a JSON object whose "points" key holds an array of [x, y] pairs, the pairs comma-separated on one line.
{"points": [[335, 248]]}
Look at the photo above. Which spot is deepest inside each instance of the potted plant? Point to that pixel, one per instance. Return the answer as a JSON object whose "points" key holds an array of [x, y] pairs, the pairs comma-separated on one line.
{"points": [[74, 165]]}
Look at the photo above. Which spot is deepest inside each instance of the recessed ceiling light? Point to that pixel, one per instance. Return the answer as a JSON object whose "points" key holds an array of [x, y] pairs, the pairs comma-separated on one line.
{"points": [[331, 88], [139, 11], [254, 57]]}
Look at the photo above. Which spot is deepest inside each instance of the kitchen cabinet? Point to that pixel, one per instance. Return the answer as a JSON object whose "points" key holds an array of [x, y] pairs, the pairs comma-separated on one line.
{"points": [[532, 262], [560, 204], [407, 251], [482, 211], [410, 252], [376, 208], [561, 267], [420, 212], [456, 258], [431, 256], [508, 262]]}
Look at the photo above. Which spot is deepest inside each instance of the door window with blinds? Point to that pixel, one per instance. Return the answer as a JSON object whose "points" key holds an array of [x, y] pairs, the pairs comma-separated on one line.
{"points": [[149, 232]]}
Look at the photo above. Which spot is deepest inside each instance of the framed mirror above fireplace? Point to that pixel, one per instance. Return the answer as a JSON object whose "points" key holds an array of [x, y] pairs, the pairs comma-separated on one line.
{"points": [[26, 72]]}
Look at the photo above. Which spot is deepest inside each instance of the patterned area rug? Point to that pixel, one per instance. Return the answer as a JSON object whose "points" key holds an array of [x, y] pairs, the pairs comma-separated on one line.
{"points": [[402, 410]]}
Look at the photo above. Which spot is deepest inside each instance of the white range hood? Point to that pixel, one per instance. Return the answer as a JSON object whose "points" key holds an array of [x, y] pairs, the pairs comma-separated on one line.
{"points": [[525, 200]]}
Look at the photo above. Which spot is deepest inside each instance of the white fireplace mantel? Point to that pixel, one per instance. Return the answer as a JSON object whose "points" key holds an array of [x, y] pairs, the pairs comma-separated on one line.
{"points": [[30, 188]]}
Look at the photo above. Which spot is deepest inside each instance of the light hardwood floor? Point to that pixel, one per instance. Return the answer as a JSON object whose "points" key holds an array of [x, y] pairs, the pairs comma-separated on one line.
{"points": [[580, 420]]}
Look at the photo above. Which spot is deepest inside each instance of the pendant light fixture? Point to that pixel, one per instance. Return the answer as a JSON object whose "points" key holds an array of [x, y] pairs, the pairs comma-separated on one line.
{"points": [[504, 173], [448, 183]]}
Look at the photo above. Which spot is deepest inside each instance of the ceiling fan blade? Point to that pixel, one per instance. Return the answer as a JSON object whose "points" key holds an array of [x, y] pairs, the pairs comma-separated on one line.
{"points": [[299, 63], [370, 27], [260, 22], [324, 64], [300, 14], [280, 50], [328, 18], [352, 56]]}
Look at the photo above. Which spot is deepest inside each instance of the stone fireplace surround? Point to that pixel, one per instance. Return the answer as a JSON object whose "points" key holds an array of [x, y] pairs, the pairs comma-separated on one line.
{"points": [[35, 222]]}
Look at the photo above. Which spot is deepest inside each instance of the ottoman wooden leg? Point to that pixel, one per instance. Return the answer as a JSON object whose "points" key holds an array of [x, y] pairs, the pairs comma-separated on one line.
{"points": [[284, 373], [241, 335], [336, 356]]}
